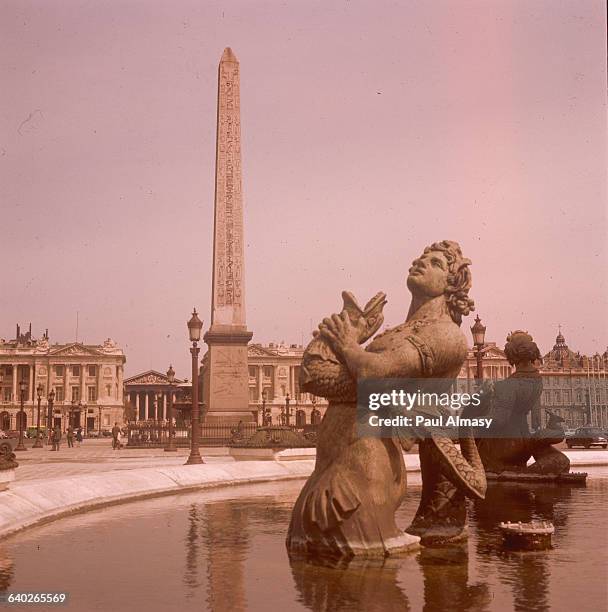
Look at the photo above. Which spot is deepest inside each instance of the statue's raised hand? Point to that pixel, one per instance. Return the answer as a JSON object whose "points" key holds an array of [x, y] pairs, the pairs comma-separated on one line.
{"points": [[340, 332]]}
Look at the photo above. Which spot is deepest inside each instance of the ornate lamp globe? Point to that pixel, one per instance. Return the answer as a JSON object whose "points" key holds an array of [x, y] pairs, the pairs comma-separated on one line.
{"points": [[22, 386], [195, 325], [479, 332], [40, 390], [52, 395]]}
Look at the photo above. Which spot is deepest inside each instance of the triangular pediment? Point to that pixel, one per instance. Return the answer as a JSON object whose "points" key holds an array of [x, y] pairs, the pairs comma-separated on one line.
{"points": [[151, 377], [494, 351], [255, 350], [75, 349]]}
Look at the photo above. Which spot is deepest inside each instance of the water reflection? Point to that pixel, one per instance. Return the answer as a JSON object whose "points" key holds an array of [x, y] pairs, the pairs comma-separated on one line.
{"points": [[360, 586], [446, 581], [227, 542], [526, 573], [207, 552], [192, 551], [7, 570]]}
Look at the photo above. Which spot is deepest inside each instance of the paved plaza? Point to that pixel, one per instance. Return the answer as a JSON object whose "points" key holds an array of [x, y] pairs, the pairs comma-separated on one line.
{"points": [[97, 455]]}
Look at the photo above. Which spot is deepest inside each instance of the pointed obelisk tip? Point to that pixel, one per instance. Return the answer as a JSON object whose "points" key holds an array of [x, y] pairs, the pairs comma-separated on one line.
{"points": [[228, 55]]}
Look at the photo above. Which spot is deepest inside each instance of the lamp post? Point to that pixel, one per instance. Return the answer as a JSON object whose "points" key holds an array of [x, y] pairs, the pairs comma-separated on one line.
{"points": [[195, 325], [479, 334], [99, 423], [170, 447], [49, 418], [287, 413], [38, 442], [22, 387]]}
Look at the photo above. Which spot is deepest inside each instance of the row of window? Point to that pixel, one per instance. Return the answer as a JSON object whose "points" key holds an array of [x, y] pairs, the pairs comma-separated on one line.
{"points": [[7, 395], [565, 397], [59, 370], [268, 371], [75, 369], [575, 381]]}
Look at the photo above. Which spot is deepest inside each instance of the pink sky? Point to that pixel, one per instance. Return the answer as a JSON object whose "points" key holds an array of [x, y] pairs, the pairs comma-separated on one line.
{"points": [[370, 129]]}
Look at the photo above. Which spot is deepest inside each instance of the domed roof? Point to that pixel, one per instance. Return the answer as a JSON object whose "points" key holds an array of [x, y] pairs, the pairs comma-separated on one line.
{"points": [[560, 353]]}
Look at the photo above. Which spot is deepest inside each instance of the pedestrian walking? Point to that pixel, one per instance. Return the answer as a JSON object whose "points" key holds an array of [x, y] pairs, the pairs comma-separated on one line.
{"points": [[56, 438], [115, 436], [79, 436], [70, 436]]}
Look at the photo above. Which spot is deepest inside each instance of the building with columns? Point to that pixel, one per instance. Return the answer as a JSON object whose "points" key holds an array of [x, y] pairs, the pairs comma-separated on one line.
{"points": [[147, 397], [575, 386], [495, 366], [87, 380], [274, 371]]}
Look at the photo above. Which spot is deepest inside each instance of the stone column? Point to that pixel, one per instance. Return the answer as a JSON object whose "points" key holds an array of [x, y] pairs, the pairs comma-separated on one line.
{"points": [[99, 383], [164, 406], [83, 389], [30, 389], [66, 387], [147, 399], [120, 381], [136, 406], [275, 381], [49, 379], [15, 399], [260, 382]]}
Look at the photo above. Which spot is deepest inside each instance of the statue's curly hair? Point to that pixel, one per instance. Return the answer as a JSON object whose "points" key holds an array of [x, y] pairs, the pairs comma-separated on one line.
{"points": [[521, 347], [459, 279]]}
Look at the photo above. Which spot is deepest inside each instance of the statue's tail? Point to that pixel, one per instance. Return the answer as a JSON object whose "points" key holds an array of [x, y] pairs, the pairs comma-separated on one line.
{"points": [[464, 467]]}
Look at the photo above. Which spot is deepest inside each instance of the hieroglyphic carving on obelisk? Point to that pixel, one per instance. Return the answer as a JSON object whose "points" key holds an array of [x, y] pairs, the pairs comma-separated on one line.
{"points": [[228, 306], [225, 376]]}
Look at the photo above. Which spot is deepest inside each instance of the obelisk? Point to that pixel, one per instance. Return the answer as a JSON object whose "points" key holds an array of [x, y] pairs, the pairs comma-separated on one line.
{"points": [[226, 377]]}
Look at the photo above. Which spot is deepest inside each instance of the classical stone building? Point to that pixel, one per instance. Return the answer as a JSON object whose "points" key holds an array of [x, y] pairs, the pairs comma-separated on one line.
{"points": [[147, 397], [495, 367], [87, 380], [575, 386], [274, 387], [274, 372]]}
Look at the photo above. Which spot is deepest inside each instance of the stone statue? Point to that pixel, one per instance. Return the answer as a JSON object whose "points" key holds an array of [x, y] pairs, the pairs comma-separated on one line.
{"points": [[347, 506], [509, 402]]}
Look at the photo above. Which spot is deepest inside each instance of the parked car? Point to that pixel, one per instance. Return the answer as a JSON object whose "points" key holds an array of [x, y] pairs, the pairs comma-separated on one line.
{"points": [[588, 437], [569, 432]]}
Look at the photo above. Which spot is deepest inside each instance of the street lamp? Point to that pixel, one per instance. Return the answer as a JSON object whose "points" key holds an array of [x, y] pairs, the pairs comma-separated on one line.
{"points": [[287, 413], [38, 443], [195, 325], [479, 334], [49, 418], [170, 447], [22, 387]]}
